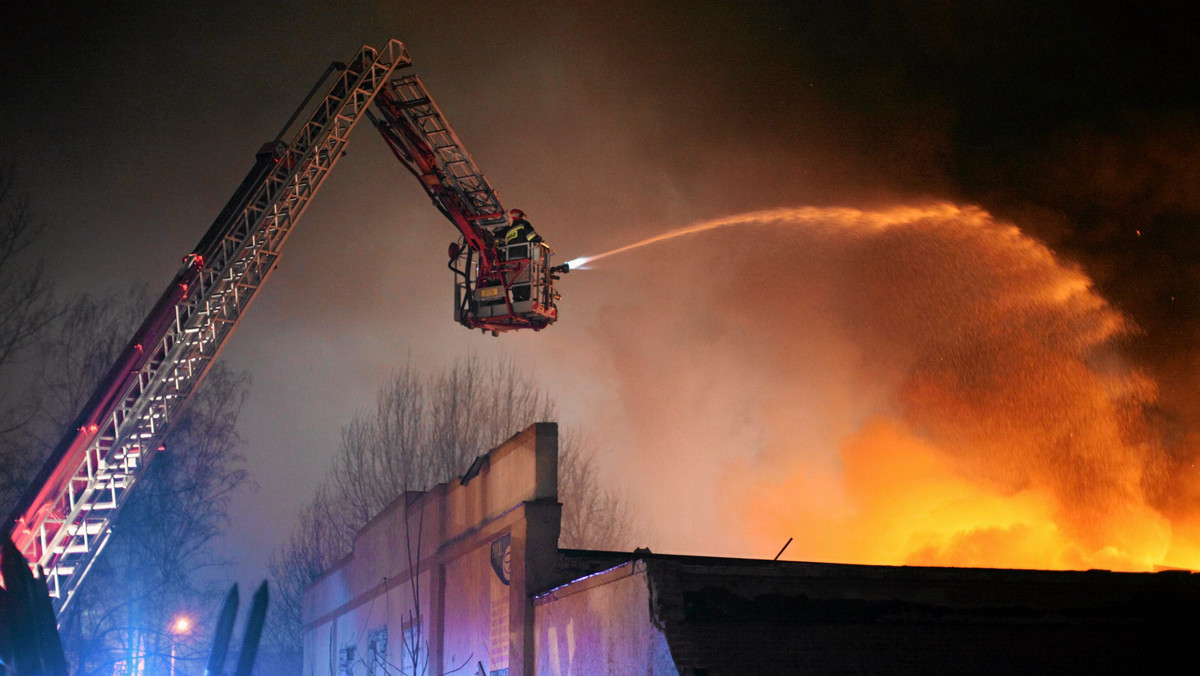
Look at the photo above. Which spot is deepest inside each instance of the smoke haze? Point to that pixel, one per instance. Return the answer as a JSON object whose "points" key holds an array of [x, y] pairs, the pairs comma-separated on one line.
{"points": [[912, 385], [945, 389]]}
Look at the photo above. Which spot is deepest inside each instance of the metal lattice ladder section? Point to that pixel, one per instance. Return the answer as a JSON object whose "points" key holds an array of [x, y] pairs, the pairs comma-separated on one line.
{"points": [[452, 158], [235, 267]]}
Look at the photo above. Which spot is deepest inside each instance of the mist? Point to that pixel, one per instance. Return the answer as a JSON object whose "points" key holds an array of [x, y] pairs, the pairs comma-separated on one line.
{"points": [[937, 391], [922, 384]]}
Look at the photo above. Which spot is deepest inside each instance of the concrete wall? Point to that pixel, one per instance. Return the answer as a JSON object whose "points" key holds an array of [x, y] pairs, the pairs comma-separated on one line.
{"points": [[601, 625], [457, 608], [472, 576]]}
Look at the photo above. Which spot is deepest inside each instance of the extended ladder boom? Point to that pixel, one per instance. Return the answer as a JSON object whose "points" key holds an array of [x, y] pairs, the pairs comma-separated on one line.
{"points": [[501, 286], [415, 129], [63, 520]]}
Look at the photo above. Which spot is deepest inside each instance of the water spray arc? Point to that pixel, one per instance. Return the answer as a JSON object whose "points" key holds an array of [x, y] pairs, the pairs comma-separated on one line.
{"points": [[843, 216], [988, 415]]}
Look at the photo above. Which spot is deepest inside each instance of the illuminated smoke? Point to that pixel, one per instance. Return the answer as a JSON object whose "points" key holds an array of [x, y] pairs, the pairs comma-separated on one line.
{"points": [[911, 385]]}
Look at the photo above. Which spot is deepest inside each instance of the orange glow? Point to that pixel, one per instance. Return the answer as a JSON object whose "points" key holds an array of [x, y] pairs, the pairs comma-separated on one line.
{"points": [[181, 625], [920, 385], [905, 504]]}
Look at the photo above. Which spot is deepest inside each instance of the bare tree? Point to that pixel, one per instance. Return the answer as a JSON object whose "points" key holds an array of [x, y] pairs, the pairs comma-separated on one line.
{"points": [[51, 357], [312, 548], [474, 406], [157, 561], [80, 347], [425, 431], [26, 308], [594, 516], [25, 292], [70, 356]]}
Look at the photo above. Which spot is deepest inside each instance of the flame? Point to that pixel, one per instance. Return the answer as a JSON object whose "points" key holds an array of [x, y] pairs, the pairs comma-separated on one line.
{"points": [[903, 502], [922, 385]]}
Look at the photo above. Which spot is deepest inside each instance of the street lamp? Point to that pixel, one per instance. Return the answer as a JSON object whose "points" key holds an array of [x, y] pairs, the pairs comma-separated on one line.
{"points": [[181, 626]]}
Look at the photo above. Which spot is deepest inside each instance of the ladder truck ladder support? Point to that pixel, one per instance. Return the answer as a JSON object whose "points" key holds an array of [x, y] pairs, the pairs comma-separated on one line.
{"points": [[64, 519], [501, 287]]}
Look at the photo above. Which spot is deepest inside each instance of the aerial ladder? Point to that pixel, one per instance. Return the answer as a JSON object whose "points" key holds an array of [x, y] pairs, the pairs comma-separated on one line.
{"points": [[64, 519], [499, 286]]}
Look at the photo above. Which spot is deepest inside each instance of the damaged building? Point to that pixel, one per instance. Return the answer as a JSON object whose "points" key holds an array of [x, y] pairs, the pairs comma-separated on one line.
{"points": [[467, 578]]}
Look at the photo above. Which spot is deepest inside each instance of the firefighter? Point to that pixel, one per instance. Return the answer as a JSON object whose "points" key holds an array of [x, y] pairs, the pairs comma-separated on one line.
{"points": [[519, 232]]}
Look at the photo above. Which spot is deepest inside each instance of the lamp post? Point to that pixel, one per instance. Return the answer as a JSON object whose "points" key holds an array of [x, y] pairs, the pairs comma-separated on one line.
{"points": [[181, 626]]}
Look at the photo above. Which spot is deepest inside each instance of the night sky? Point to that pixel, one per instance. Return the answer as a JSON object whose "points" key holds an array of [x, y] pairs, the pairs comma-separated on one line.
{"points": [[130, 123]]}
